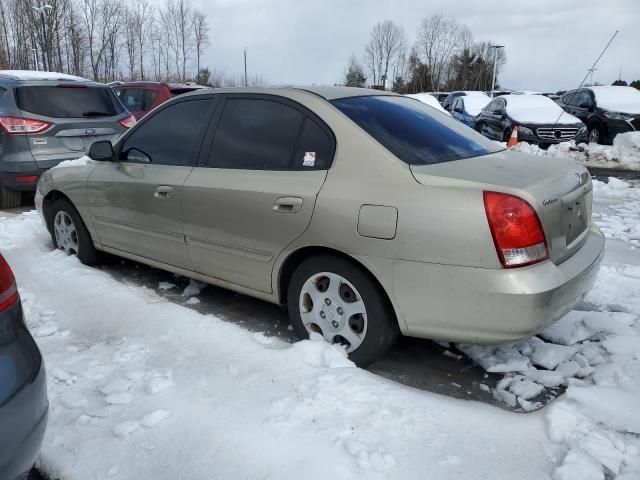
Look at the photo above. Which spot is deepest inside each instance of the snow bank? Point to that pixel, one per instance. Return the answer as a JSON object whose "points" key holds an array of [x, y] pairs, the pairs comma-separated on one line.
{"points": [[623, 154]]}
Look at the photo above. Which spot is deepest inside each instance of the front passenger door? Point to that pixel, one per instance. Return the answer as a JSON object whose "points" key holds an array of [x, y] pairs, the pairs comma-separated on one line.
{"points": [[135, 203]]}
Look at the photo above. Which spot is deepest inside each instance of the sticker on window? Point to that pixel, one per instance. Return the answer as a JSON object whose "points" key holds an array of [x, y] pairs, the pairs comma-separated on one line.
{"points": [[309, 159]]}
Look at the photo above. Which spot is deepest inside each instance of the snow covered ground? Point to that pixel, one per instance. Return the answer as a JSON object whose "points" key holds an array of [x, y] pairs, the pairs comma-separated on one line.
{"points": [[624, 154], [141, 387]]}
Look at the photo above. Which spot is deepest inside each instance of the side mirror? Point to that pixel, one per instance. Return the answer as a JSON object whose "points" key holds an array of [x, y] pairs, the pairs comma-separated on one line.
{"points": [[101, 151], [458, 110], [585, 105]]}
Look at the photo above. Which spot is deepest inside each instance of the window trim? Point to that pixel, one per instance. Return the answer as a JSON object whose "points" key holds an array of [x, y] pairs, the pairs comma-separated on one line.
{"points": [[118, 147], [307, 114]]}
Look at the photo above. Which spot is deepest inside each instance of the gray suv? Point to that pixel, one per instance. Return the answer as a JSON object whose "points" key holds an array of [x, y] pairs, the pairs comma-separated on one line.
{"points": [[46, 118]]}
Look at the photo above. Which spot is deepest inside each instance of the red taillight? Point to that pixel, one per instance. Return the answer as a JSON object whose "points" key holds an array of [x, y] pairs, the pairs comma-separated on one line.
{"points": [[128, 122], [516, 230], [23, 126], [27, 179], [8, 290]]}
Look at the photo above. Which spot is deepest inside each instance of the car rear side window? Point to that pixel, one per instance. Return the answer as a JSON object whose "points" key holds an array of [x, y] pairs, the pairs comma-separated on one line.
{"points": [[170, 136], [137, 99], [315, 148], [255, 134], [414, 132], [68, 101]]}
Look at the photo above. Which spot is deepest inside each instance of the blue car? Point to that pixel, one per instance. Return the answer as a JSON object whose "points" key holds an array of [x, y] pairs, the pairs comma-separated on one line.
{"points": [[23, 388], [468, 107]]}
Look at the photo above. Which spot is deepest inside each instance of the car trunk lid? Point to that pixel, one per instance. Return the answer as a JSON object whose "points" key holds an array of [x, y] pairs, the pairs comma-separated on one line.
{"points": [[559, 190]]}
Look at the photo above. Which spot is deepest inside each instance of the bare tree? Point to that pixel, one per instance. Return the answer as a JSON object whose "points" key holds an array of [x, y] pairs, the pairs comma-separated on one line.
{"points": [[387, 42], [201, 35], [438, 39]]}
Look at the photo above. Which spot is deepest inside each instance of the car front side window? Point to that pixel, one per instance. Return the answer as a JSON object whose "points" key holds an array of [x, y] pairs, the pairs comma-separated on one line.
{"points": [[169, 137]]}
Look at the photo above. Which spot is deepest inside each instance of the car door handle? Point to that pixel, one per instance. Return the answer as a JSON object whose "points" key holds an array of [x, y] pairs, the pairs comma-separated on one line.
{"points": [[163, 191], [288, 204]]}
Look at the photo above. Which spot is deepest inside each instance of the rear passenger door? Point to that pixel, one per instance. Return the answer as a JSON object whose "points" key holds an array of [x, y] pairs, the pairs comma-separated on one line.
{"points": [[135, 202], [254, 192]]}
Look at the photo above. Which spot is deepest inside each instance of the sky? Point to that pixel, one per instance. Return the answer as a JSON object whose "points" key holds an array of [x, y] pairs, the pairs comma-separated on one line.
{"points": [[550, 44]]}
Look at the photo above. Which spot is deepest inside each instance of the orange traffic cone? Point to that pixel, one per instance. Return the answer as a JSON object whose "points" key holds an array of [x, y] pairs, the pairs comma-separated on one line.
{"points": [[513, 140]]}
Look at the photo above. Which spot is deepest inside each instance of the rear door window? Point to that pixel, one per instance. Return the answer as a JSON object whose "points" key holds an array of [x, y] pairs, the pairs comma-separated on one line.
{"points": [[315, 148], [414, 132], [137, 99], [171, 136], [255, 134], [72, 101]]}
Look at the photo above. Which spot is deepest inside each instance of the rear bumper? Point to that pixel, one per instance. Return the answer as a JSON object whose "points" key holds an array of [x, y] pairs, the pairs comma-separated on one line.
{"points": [[24, 181], [483, 305]]}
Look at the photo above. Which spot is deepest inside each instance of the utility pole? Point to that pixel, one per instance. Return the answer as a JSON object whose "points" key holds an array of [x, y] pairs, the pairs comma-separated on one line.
{"points": [[495, 63], [245, 68], [45, 47], [591, 70], [35, 58]]}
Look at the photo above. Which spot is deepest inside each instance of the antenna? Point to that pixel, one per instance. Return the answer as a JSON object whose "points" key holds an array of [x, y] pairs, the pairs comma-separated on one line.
{"points": [[589, 72]]}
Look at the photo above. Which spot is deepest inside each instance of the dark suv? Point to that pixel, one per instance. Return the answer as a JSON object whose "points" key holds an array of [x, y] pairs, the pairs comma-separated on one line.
{"points": [[606, 110], [46, 118]]}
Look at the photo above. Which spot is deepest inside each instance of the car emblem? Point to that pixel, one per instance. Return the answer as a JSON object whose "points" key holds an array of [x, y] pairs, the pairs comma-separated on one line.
{"points": [[89, 131], [557, 134]]}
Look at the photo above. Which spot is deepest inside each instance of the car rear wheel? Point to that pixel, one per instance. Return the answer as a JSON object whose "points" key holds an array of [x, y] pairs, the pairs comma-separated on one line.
{"points": [[69, 232], [335, 298], [595, 134], [9, 198]]}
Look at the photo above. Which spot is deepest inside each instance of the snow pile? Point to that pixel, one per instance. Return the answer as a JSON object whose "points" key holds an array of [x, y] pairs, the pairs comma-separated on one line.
{"points": [[622, 221], [623, 154], [78, 162]]}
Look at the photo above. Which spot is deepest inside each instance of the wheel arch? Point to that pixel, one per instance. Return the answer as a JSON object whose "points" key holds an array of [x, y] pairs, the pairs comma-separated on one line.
{"points": [[298, 256], [49, 199]]}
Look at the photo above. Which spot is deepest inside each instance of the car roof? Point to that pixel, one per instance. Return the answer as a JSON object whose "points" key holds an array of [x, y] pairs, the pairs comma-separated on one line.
{"points": [[326, 93], [32, 75]]}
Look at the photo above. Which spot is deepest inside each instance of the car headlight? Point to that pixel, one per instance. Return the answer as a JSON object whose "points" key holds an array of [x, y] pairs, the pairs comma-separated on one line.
{"points": [[525, 131], [617, 116], [582, 130]]}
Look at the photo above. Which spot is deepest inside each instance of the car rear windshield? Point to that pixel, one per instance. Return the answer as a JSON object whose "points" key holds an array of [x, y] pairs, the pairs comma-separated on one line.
{"points": [[68, 101], [414, 132]]}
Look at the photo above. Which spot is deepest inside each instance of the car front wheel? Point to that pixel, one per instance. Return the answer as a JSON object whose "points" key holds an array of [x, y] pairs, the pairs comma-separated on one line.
{"points": [[69, 232], [595, 134], [336, 299]]}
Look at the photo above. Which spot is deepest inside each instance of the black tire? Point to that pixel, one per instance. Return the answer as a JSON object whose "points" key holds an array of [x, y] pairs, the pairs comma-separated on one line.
{"points": [[598, 131], [382, 326], [86, 253], [9, 198], [479, 127]]}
